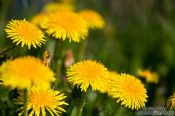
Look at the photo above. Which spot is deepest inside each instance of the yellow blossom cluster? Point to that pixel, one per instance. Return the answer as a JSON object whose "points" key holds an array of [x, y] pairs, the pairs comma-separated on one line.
{"points": [[58, 20], [61, 21], [126, 88], [30, 73]]}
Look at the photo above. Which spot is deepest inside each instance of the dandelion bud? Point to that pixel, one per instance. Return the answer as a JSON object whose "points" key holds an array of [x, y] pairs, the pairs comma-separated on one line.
{"points": [[46, 58], [171, 102], [69, 59]]}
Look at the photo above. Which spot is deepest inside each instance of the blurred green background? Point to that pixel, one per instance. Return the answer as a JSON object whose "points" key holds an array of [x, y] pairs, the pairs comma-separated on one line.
{"points": [[138, 34]]}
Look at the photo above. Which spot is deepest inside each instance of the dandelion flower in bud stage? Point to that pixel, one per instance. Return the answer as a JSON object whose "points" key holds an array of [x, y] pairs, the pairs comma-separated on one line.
{"points": [[150, 77], [129, 91], [24, 32], [43, 100], [171, 102], [93, 18], [25, 72], [88, 73], [69, 58], [65, 24], [46, 58], [52, 7]]}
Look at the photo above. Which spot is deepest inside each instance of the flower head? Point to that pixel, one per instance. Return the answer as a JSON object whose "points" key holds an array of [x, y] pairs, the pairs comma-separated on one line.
{"points": [[68, 1], [65, 24], [41, 100], [151, 77], [53, 6], [24, 32], [129, 90], [93, 18], [88, 73], [25, 72], [38, 18], [171, 102]]}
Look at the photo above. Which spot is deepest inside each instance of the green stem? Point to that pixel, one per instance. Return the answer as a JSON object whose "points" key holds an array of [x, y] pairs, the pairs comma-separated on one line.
{"points": [[58, 60], [82, 49], [25, 4], [7, 50], [3, 14], [82, 105], [25, 103]]}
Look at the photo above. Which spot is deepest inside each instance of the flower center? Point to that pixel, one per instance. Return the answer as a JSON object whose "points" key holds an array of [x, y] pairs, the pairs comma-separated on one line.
{"points": [[40, 99]]}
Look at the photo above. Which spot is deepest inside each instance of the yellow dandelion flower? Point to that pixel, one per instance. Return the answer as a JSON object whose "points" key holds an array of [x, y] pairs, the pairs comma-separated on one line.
{"points": [[68, 1], [130, 91], [65, 24], [151, 77], [53, 6], [24, 32], [24, 72], [93, 18], [41, 100], [88, 73], [38, 18]]}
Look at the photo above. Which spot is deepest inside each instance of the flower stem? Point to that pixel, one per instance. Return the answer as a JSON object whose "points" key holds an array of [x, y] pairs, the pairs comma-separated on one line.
{"points": [[6, 50], [58, 60], [82, 105], [82, 49], [3, 13], [25, 103], [25, 4]]}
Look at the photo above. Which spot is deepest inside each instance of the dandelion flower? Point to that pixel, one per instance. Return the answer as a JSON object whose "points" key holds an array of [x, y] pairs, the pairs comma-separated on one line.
{"points": [[38, 18], [65, 24], [93, 18], [24, 32], [53, 6], [171, 102], [24, 72], [88, 73], [129, 90], [68, 1], [41, 100], [151, 77]]}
